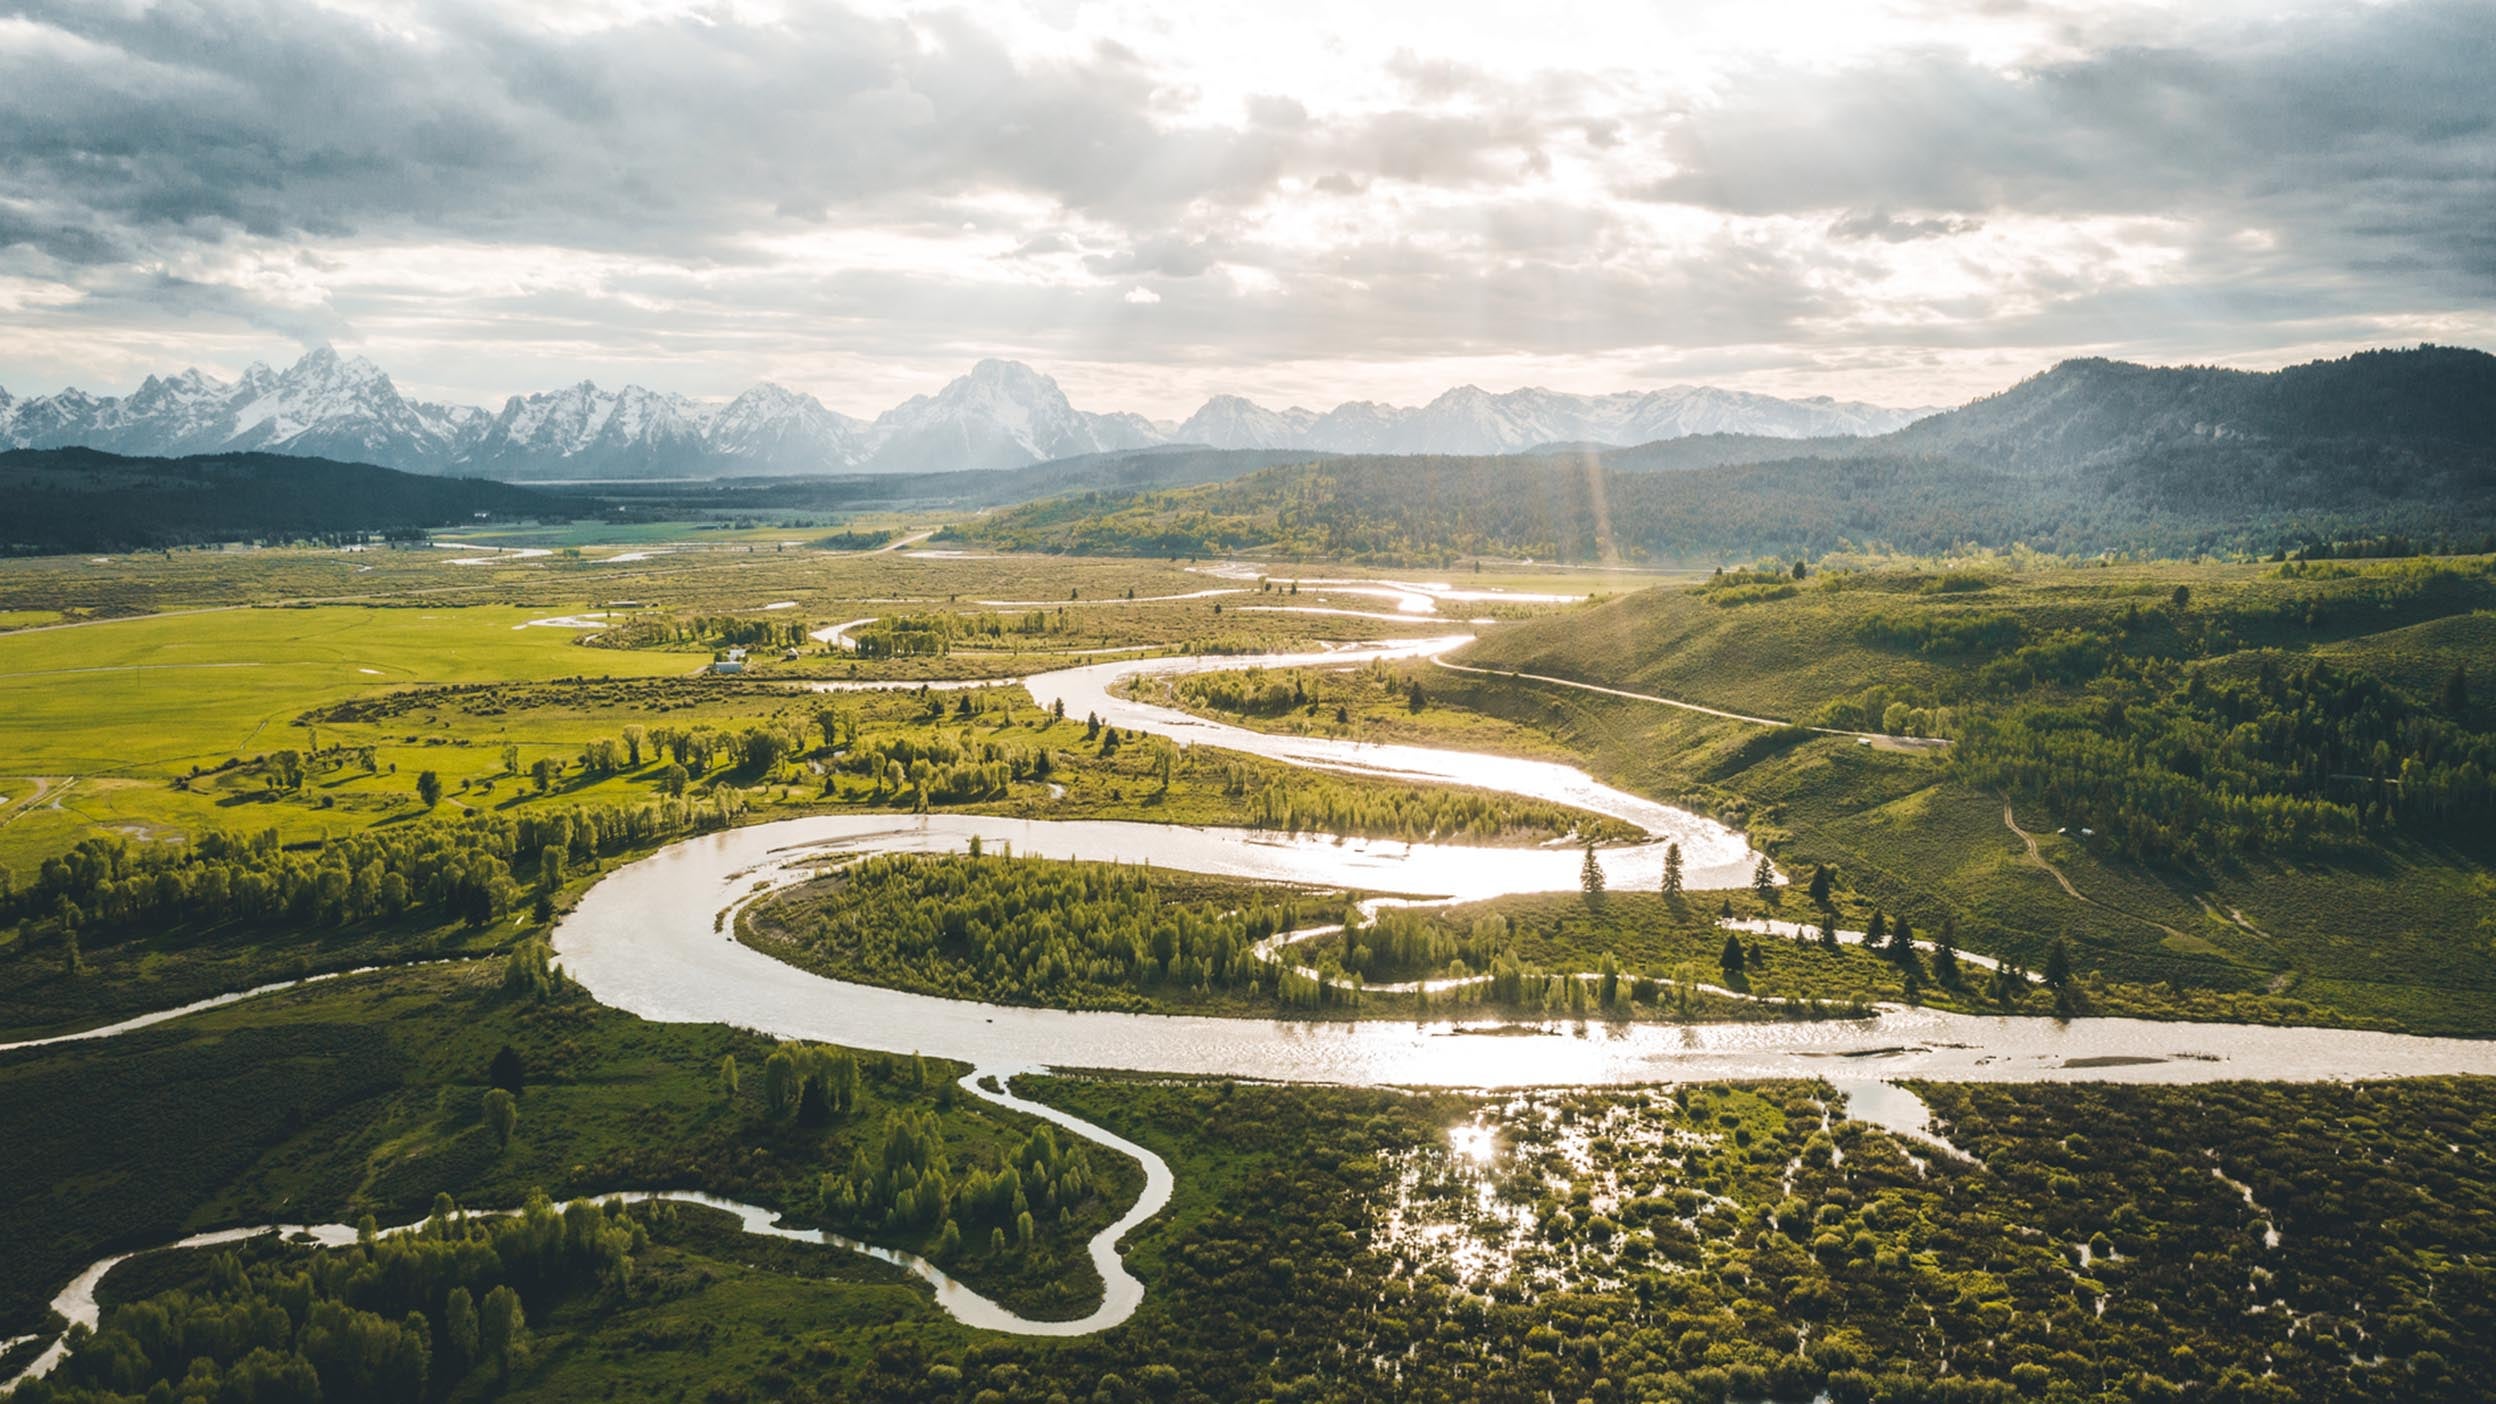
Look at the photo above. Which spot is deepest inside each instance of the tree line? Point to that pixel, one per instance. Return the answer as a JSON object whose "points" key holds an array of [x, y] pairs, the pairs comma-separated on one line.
{"points": [[475, 868]]}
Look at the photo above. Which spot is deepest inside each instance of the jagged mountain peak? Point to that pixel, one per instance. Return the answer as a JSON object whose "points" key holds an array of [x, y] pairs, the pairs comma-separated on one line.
{"points": [[323, 364]]}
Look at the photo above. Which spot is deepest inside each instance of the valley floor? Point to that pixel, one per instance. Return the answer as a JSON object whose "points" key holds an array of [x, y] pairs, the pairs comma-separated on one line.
{"points": [[433, 773]]}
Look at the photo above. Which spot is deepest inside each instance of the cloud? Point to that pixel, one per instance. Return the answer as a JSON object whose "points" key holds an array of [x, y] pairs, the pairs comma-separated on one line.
{"points": [[1882, 225], [488, 200], [1168, 255], [2372, 126]]}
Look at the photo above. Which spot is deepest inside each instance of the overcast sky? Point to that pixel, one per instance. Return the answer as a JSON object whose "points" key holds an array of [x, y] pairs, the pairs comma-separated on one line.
{"points": [[1304, 203]]}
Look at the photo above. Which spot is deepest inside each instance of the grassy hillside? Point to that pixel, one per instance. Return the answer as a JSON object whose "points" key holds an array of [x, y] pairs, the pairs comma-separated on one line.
{"points": [[2254, 777]]}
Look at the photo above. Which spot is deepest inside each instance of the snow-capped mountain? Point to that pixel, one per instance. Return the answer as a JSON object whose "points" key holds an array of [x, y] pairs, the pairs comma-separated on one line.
{"points": [[1698, 409], [1001, 415], [583, 431], [326, 407], [1227, 421], [323, 406], [1470, 420], [769, 429]]}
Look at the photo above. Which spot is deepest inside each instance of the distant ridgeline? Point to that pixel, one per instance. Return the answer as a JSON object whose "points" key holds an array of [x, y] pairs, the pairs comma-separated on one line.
{"points": [[2382, 452], [77, 499], [2094, 455]]}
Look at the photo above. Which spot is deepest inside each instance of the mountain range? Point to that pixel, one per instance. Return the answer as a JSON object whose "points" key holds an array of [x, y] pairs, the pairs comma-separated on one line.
{"points": [[2377, 450], [1001, 415]]}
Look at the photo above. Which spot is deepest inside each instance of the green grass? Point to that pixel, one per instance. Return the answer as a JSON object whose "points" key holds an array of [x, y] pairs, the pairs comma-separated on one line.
{"points": [[2404, 942], [126, 708], [1365, 703], [156, 695], [170, 669]]}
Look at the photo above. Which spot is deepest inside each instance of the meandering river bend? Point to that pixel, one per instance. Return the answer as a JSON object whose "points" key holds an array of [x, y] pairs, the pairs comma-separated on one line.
{"points": [[654, 939]]}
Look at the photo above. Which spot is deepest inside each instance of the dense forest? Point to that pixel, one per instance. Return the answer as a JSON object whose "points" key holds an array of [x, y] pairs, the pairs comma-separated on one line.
{"points": [[2091, 456], [113, 927], [2302, 759], [86, 500]]}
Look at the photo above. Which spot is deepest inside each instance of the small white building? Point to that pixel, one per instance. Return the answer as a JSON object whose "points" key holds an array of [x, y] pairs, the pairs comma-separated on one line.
{"points": [[733, 663]]}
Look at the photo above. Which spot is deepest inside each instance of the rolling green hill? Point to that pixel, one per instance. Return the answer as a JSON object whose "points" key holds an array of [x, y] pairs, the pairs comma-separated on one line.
{"points": [[2259, 777]]}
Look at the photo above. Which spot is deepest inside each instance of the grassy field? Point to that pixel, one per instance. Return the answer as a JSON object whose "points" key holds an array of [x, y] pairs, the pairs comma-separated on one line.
{"points": [[150, 728], [120, 711], [171, 669], [1371, 703], [117, 716], [711, 574], [2396, 935]]}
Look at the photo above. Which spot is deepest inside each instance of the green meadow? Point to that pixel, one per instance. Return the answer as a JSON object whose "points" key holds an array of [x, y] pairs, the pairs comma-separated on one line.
{"points": [[119, 711]]}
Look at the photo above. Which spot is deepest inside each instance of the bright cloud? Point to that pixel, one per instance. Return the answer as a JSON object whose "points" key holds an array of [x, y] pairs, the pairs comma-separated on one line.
{"points": [[1907, 201]]}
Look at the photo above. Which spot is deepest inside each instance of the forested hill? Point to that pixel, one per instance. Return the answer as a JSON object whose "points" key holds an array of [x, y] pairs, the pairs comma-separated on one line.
{"points": [[2090, 456], [78, 499], [2438, 402]]}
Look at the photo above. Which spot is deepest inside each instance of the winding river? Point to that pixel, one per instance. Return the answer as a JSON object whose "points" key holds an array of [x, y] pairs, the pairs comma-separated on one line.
{"points": [[653, 939]]}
